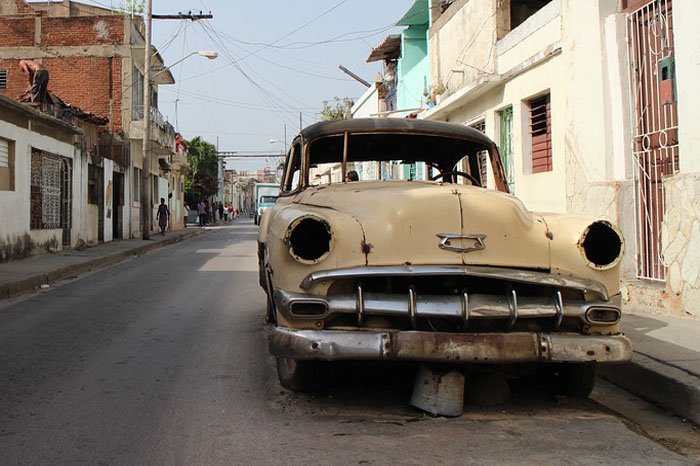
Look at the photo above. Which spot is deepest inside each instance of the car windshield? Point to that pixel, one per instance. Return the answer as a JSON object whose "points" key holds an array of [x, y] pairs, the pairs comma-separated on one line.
{"points": [[392, 156]]}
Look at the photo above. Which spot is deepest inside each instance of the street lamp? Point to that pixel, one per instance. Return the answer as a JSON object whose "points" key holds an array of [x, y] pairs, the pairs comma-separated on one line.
{"points": [[146, 202], [210, 54]]}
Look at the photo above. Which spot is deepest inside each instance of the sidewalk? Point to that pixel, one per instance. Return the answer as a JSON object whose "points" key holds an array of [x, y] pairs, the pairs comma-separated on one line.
{"points": [[26, 275], [665, 366]]}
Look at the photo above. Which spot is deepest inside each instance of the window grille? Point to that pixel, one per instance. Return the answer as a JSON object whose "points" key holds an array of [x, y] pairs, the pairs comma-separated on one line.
{"points": [[49, 192], [541, 132], [3, 79]]}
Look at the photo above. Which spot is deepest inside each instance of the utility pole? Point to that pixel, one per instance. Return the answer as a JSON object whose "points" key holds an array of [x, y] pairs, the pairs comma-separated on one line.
{"points": [[146, 202], [146, 185]]}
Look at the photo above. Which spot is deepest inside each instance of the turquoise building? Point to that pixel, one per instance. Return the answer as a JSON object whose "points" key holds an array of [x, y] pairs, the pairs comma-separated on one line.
{"points": [[413, 69]]}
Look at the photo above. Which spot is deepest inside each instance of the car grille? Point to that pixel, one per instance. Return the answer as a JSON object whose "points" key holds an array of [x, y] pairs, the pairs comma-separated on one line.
{"points": [[448, 303]]}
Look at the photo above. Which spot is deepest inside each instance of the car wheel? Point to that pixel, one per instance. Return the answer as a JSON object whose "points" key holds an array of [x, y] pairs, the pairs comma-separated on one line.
{"points": [[574, 380], [298, 375]]}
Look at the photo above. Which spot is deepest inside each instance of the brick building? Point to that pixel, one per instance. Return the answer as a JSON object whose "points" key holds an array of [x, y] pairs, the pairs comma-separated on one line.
{"points": [[95, 61]]}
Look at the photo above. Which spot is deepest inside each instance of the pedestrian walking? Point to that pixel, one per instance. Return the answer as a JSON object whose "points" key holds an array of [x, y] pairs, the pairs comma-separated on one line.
{"points": [[162, 216], [187, 214], [221, 211], [202, 212]]}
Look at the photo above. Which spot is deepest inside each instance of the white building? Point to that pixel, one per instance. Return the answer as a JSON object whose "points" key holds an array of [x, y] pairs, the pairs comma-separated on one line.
{"points": [[592, 104], [42, 182]]}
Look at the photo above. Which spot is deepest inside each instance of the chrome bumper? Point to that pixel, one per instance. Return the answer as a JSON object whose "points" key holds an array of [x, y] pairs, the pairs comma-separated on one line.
{"points": [[484, 348]]}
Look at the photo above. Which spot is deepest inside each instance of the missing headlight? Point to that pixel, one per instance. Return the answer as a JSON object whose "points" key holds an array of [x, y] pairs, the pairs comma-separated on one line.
{"points": [[309, 239], [601, 245]]}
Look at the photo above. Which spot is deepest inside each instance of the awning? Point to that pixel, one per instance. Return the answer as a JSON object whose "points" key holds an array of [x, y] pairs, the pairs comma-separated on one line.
{"points": [[390, 49]]}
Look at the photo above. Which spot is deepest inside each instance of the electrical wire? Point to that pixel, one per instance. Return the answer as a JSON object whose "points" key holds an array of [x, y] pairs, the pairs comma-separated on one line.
{"points": [[265, 95]]}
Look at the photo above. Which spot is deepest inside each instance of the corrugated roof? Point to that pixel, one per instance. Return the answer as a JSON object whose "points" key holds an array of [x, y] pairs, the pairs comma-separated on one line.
{"points": [[389, 49]]}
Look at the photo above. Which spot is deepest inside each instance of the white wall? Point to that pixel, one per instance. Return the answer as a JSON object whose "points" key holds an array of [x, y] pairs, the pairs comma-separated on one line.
{"points": [[15, 205], [687, 50], [368, 105]]}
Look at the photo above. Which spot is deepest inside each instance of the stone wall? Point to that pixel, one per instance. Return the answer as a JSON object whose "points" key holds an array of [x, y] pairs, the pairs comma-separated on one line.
{"points": [[680, 237]]}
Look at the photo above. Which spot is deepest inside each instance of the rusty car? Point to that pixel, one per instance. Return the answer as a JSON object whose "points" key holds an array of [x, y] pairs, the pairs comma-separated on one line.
{"points": [[431, 266]]}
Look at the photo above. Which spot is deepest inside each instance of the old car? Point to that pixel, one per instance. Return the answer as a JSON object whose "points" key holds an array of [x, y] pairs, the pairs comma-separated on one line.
{"points": [[438, 269]]}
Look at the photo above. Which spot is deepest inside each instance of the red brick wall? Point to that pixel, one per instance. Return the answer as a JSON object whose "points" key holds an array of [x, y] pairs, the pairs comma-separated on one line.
{"points": [[16, 32], [80, 81], [16, 80], [82, 31], [93, 92]]}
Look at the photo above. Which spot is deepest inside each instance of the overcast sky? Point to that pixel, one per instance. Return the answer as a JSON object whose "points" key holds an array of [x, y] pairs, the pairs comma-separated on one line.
{"points": [[277, 58]]}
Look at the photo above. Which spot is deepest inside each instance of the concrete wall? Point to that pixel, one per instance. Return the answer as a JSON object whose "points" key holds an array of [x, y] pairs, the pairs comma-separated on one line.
{"points": [[367, 105], [16, 238], [463, 39]]}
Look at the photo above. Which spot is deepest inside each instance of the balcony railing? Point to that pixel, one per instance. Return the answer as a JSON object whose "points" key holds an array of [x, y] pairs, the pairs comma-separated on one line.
{"points": [[157, 119]]}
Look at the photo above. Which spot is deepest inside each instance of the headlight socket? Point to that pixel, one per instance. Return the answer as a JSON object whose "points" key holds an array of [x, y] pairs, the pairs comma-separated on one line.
{"points": [[309, 239], [602, 245]]}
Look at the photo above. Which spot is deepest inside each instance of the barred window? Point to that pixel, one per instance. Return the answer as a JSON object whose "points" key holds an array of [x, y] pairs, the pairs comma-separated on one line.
{"points": [[49, 190], [3, 79]]}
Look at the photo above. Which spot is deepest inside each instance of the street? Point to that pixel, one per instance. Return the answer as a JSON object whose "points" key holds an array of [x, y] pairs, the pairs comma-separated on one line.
{"points": [[162, 359]]}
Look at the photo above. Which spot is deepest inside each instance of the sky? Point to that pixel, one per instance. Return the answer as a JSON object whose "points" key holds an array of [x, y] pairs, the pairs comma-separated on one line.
{"points": [[277, 59]]}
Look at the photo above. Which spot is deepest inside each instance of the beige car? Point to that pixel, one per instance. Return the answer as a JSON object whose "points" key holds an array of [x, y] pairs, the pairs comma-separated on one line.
{"points": [[432, 270]]}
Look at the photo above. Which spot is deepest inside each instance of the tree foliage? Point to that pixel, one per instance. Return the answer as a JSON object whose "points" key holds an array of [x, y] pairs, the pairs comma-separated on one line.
{"points": [[337, 109], [130, 7], [201, 181]]}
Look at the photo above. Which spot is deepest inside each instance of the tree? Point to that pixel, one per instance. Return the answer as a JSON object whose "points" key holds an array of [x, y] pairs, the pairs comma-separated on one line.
{"points": [[130, 7], [340, 110], [202, 179]]}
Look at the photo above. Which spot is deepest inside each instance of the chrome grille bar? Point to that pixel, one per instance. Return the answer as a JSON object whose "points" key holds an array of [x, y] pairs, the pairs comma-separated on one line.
{"points": [[497, 273]]}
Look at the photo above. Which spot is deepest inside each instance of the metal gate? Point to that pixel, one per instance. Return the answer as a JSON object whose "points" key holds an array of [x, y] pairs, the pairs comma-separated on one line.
{"points": [[51, 192], [655, 141]]}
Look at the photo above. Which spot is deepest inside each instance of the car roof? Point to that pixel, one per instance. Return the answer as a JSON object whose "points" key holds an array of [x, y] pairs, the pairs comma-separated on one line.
{"points": [[396, 126]]}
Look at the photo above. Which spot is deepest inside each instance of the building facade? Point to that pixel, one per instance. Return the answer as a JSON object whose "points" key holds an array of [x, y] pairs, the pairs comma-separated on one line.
{"points": [[95, 60], [592, 106], [42, 169]]}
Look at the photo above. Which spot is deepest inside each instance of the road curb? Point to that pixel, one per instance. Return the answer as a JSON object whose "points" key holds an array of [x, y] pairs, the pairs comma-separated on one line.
{"points": [[666, 386], [29, 284]]}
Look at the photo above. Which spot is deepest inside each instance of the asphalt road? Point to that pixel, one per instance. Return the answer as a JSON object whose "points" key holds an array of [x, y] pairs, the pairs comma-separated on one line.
{"points": [[162, 359]]}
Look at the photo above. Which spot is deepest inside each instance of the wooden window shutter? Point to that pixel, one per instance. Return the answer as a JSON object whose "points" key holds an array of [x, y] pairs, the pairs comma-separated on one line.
{"points": [[541, 132]]}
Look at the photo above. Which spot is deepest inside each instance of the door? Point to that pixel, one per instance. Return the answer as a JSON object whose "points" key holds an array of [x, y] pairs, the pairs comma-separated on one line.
{"points": [[655, 140]]}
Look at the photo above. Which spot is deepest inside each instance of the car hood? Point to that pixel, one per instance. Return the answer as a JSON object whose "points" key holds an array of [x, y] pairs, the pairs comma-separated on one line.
{"points": [[402, 222]]}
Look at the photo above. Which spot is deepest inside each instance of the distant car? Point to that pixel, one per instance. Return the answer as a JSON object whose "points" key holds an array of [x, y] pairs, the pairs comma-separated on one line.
{"points": [[439, 270]]}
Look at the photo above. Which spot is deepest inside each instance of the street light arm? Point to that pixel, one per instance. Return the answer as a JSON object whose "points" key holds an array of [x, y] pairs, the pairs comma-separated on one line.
{"points": [[210, 54]]}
